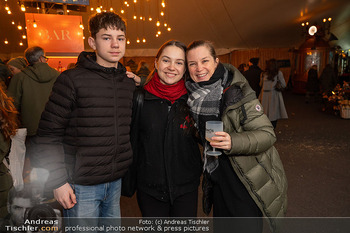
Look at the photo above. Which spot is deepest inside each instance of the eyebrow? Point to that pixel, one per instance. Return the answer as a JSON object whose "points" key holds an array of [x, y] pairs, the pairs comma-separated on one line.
{"points": [[111, 35], [175, 59]]}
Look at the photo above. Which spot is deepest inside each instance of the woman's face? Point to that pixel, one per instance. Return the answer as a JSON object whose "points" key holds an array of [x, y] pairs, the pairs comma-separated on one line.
{"points": [[171, 65], [201, 64]]}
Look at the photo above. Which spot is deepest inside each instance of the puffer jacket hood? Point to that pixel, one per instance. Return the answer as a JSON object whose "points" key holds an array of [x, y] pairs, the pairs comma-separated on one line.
{"points": [[40, 72]]}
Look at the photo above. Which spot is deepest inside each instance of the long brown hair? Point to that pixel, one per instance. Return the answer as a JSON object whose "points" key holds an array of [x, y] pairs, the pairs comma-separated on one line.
{"points": [[271, 69], [8, 115]]}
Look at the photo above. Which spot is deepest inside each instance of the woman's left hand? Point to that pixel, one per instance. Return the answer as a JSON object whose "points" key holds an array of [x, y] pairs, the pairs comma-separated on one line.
{"points": [[221, 140]]}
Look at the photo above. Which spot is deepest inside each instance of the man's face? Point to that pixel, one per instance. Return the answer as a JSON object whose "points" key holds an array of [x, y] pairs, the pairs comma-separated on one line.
{"points": [[109, 46], [18, 208]]}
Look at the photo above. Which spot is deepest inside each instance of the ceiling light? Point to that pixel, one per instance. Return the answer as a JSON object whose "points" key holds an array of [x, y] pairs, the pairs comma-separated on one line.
{"points": [[312, 30]]}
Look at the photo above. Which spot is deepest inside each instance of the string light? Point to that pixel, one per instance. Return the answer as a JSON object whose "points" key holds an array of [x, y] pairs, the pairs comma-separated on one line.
{"points": [[34, 24], [21, 43], [24, 36], [138, 12], [6, 41], [19, 27], [23, 8]]}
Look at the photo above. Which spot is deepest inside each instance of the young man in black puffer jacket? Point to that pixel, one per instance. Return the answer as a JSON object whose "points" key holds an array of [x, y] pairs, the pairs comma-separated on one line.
{"points": [[83, 136]]}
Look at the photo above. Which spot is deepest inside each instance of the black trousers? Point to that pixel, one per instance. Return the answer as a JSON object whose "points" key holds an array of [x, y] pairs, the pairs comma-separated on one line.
{"points": [[231, 199], [183, 206]]}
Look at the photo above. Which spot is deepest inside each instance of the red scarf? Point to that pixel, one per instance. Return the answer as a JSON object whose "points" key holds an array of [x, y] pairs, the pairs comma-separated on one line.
{"points": [[168, 92]]}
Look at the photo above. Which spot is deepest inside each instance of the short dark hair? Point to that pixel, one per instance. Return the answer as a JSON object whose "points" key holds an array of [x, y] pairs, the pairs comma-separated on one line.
{"points": [[206, 43], [105, 20], [33, 54], [26, 193]]}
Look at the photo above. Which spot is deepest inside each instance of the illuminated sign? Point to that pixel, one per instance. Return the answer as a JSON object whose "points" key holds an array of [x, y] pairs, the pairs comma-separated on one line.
{"points": [[55, 33]]}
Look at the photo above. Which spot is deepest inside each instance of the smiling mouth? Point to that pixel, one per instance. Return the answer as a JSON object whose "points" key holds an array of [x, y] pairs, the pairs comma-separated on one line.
{"points": [[170, 75], [201, 75]]}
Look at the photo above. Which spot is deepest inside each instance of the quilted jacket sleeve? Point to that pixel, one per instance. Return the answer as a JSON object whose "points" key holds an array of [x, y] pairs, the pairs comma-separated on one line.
{"points": [[250, 130], [54, 120]]}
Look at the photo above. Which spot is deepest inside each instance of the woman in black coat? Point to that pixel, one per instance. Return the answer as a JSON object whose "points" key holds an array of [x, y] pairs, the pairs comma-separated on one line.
{"points": [[165, 146]]}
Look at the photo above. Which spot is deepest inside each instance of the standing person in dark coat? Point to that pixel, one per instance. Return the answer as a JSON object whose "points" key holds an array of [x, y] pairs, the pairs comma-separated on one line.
{"points": [[253, 75], [83, 136], [312, 85], [168, 158]]}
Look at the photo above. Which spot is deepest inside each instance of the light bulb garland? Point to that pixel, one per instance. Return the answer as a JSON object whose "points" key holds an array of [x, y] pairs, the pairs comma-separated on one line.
{"points": [[143, 14]]}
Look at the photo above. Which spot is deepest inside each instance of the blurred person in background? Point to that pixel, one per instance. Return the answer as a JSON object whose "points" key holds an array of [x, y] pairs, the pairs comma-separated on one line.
{"points": [[312, 85], [17, 64], [253, 75], [30, 90], [270, 98]]}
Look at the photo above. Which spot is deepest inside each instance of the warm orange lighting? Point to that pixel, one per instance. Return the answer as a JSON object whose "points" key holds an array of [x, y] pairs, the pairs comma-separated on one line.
{"points": [[158, 23], [122, 11], [24, 36], [329, 19], [150, 19], [138, 40], [162, 13], [169, 29], [23, 8], [34, 24], [157, 35], [159, 32], [19, 27], [128, 41], [7, 8], [13, 22], [6, 41], [144, 40], [135, 17], [307, 23], [303, 24], [98, 10], [163, 4], [9, 12], [324, 20], [91, 8], [126, 3], [165, 24], [21, 43], [111, 9]]}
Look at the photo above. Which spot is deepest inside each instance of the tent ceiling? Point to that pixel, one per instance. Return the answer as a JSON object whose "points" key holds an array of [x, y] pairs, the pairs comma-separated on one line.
{"points": [[230, 24]]}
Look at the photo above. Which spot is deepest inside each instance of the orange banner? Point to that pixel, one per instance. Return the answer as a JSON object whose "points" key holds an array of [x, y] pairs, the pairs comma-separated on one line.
{"points": [[55, 33]]}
